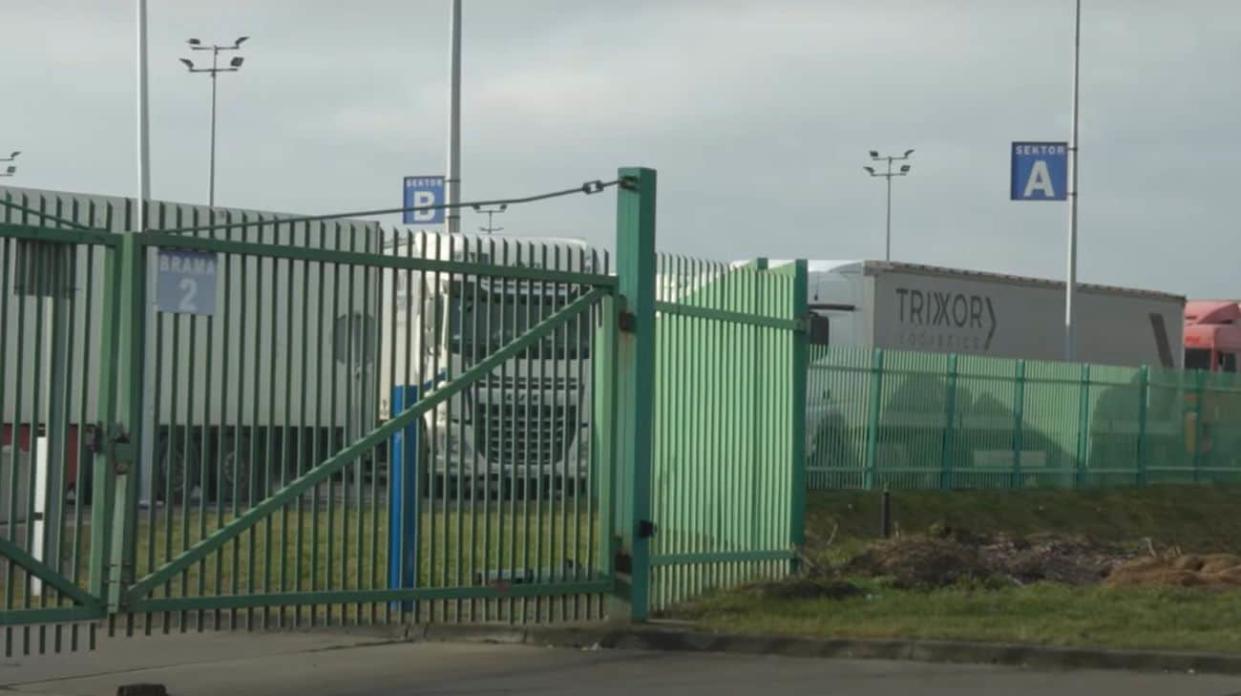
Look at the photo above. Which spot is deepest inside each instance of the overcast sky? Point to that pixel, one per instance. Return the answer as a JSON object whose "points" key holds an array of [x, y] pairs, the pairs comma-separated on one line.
{"points": [[757, 114]]}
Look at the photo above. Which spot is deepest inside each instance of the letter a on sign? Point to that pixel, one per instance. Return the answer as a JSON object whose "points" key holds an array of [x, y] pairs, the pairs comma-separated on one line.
{"points": [[1040, 180], [1039, 172]]}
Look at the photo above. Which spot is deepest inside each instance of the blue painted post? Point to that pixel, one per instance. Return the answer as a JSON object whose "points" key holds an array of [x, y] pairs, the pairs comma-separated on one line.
{"points": [[403, 497]]}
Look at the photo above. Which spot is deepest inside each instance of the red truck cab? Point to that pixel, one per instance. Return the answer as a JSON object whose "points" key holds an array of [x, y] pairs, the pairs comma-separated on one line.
{"points": [[1212, 335]]}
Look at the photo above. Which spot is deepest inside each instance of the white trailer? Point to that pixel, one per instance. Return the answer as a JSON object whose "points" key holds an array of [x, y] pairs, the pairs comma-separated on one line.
{"points": [[902, 306], [284, 334]]}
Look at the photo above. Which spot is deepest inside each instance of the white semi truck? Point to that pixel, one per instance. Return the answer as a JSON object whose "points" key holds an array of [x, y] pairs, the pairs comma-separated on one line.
{"points": [[524, 424]]}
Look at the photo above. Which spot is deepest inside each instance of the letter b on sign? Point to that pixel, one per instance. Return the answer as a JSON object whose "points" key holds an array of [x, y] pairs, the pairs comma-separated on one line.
{"points": [[1039, 172], [421, 192]]}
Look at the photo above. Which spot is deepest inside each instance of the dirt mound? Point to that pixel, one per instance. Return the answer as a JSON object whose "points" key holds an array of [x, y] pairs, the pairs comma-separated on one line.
{"points": [[1220, 570], [920, 562], [948, 557]]}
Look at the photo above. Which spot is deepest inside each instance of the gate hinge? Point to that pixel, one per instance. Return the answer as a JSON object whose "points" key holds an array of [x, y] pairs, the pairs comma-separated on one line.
{"points": [[122, 454], [627, 322], [646, 529]]}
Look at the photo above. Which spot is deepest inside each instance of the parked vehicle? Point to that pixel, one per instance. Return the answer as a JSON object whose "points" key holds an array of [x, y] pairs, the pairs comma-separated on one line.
{"points": [[526, 423], [943, 310]]}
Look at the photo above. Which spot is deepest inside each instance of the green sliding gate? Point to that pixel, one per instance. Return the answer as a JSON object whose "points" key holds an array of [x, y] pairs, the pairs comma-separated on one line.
{"points": [[239, 420]]}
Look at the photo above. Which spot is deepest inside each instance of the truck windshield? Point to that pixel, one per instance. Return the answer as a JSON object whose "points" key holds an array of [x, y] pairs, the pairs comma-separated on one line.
{"points": [[488, 319], [1197, 359]]}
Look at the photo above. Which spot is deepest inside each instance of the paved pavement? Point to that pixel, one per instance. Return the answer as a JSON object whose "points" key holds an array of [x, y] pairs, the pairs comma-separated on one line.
{"points": [[317, 664]]}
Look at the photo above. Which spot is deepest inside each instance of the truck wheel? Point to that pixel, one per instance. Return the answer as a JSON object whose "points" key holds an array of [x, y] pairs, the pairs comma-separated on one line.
{"points": [[235, 480], [173, 460]]}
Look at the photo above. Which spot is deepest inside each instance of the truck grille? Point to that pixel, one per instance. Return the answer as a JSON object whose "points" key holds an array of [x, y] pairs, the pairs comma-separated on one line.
{"points": [[526, 435]]}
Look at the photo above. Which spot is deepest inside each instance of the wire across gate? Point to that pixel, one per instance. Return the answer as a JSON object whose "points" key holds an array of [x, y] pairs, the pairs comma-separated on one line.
{"points": [[237, 420]]}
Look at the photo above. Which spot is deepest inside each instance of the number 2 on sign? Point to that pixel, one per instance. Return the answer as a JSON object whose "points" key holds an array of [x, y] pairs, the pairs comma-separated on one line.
{"points": [[190, 287]]}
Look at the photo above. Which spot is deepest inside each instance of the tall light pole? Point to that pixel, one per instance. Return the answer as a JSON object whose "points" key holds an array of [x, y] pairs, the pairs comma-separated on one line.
{"points": [[452, 182], [144, 139], [1070, 281], [490, 228], [233, 66], [903, 171]]}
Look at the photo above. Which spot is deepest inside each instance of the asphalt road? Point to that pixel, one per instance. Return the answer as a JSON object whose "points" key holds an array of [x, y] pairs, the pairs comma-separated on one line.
{"points": [[311, 665]]}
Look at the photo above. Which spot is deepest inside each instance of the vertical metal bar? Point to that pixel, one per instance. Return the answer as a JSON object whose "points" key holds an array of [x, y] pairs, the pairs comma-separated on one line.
{"points": [[1144, 385], [240, 427], [476, 486], [317, 432], [1083, 427], [488, 412], [305, 430], [1019, 400], [86, 379], [258, 464], [950, 415], [334, 443], [518, 456], [872, 423], [635, 250], [427, 467], [15, 435], [543, 419], [205, 475], [454, 359], [1200, 383], [440, 296], [224, 438], [409, 543], [355, 407], [288, 434], [38, 278], [270, 459], [373, 334], [186, 433], [506, 434], [132, 354], [800, 368]]}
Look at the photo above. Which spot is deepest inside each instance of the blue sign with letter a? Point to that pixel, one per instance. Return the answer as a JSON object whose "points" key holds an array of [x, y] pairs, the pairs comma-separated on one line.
{"points": [[1040, 172], [421, 191]]}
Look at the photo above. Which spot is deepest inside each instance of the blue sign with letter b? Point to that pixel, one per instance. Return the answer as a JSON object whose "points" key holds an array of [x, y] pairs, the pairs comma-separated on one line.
{"points": [[1040, 172], [423, 191]]}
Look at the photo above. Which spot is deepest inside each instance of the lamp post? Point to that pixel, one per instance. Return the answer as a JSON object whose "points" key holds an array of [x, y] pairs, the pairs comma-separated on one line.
{"points": [[489, 229], [452, 182], [233, 66], [903, 171]]}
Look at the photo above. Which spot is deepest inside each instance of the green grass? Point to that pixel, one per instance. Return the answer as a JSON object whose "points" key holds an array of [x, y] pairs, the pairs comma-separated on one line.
{"points": [[1194, 518], [1179, 619], [454, 547]]}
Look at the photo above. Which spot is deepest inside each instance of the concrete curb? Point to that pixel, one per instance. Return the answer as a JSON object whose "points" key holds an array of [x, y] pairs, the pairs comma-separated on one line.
{"points": [[691, 640]]}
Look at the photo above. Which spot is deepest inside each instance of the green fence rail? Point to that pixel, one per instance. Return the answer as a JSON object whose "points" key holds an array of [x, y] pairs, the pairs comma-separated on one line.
{"points": [[880, 418]]}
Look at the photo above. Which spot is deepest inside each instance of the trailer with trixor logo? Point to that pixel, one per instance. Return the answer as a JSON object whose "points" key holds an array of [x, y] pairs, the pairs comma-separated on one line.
{"points": [[912, 307]]}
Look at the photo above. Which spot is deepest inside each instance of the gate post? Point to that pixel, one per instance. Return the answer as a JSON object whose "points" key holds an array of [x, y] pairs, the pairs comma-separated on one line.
{"points": [[123, 437], [634, 389], [801, 368]]}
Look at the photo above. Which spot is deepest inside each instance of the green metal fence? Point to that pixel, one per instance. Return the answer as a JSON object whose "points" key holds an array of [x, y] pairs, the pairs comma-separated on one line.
{"points": [[729, 382], [933, 421], [352, 425]]}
